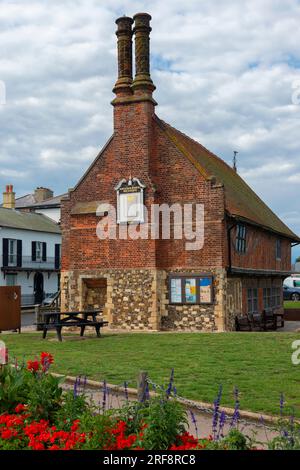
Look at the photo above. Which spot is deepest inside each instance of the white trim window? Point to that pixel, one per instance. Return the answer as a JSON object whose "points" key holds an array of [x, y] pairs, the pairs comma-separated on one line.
{"points": [[39, 251], [12, 252]]}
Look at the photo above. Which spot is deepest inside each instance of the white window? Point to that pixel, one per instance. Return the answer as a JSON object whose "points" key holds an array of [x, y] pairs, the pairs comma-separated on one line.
{"points": [[12, 252], [130, 201], [39, 251]]}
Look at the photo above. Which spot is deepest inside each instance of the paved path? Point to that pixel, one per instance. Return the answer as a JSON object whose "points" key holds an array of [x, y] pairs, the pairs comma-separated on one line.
{"points": [[203, 420]]}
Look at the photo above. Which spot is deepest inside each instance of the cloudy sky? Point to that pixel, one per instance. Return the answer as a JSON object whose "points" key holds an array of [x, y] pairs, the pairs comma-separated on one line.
{"points": [[227, 73]]}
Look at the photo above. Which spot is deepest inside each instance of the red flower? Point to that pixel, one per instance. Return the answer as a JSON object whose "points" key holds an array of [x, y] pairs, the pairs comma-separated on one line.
{"points": [[7, 434], [33, 366], [75, 425], [185, 442], [19, 408], [46, 359]]}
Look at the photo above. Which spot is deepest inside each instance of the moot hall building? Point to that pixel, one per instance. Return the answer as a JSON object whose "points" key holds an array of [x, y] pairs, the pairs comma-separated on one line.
{"points": [[156, 283]]}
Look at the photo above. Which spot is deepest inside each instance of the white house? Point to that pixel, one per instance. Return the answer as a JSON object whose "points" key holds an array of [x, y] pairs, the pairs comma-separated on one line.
{"points": [[30, 246], [41, 201]]}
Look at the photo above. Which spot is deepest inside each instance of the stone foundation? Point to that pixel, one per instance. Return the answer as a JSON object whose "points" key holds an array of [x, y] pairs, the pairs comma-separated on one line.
{"points": [[130, 301], [138, 299]]}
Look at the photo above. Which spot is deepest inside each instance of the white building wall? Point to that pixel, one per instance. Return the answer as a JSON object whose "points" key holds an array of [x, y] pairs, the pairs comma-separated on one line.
{"points": [[27, 281], [52, 213]]}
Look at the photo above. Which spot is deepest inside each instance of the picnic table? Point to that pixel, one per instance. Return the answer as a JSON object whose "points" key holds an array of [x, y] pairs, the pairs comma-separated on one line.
{"points": [[58, 320]]}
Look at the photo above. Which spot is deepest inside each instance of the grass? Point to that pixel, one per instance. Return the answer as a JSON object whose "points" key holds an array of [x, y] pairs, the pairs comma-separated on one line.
{"points": [[291, 304], [259, 364]]}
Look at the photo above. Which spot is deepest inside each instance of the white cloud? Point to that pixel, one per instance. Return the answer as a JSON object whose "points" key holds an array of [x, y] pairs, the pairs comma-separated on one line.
{"points": [[224, 73]]}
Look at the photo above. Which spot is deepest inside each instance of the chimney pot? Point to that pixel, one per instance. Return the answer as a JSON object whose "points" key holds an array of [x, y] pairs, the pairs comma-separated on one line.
{"points": [[142, 83], [124, 35]]}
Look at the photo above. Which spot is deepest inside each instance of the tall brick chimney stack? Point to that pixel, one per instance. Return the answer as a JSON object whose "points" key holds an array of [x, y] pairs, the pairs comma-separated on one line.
{"points": [[142, 84], [124, 33], [9, 197], [133, 105]]}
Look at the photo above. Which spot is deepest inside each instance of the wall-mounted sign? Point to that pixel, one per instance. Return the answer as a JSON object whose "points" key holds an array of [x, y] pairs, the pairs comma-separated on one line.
{"points": [[205, 290], [130, 201], [176, 291], [190, 289]]}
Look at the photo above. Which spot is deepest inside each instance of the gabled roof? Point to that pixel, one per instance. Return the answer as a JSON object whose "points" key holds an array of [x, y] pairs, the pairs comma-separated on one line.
{"points": [[241, 201], [11, 218]]}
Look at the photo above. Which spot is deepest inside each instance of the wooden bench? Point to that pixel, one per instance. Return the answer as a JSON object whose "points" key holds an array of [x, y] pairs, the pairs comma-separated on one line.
{"points": [[60, 320], [243, 323], [265, 321]]}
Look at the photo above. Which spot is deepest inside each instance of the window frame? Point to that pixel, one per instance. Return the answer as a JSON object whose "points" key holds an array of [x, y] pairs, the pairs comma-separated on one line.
{"points": [[276, 299], [241, 239], [39, 258], [185, 276], [14, 254], [252, 299], [278, 249]]}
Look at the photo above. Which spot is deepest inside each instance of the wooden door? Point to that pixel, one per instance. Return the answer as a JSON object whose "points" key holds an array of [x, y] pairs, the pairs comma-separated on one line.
{"points": [[10, 308]]}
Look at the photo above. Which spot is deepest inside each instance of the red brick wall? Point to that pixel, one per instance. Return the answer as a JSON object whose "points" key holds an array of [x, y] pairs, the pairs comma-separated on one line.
{"points": [[141, 149], [177, 180]]}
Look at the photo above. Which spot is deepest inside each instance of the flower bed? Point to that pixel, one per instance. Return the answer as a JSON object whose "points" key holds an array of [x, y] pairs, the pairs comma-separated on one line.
{"points": [[36, 414]]}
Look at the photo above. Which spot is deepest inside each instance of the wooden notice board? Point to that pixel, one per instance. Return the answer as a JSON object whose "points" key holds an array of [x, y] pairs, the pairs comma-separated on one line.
{"points": [[10, 308]]}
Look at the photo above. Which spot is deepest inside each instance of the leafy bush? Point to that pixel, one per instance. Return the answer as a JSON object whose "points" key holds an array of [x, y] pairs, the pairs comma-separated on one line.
{"points": [[36, 414], [161, 418], [14, 388]]}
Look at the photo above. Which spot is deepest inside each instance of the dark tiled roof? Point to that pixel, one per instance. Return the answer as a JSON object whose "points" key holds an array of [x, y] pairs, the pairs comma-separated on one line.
{"points": [[27, 221], [30, 201], [25, 201], [53, 201], [240, 200]]}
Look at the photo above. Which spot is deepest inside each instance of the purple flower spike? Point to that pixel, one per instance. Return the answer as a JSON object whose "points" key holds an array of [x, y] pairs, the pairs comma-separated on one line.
{"points": [[236, 413], [281, 404], [147, 393], [216, 413], [170, 386], [221, 425], [194, 421]]}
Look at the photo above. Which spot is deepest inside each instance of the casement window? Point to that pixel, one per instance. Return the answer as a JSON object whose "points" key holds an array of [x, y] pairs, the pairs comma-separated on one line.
{"points": [[276, 297], [278, 249], [267, 297], [240, 242], [190, 290], [252, 300], [39, 251], [57, 256], [12, 252]]}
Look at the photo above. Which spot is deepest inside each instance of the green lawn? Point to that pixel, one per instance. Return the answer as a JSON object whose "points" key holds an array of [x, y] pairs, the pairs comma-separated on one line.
{"points": [[259, 364], [291, 304]]}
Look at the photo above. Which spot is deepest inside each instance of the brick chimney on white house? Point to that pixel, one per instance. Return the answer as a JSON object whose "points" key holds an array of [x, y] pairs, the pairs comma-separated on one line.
{"points": [[41, 194], [9, 197]]}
